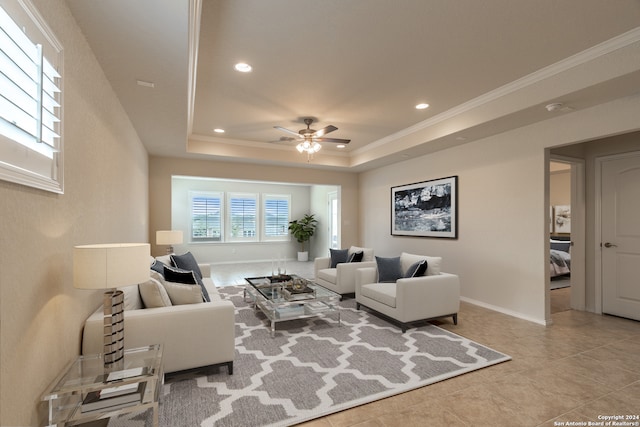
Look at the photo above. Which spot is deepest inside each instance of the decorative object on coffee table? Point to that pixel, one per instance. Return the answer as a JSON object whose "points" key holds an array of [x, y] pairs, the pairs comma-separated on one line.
{"points": [[279, 301]]}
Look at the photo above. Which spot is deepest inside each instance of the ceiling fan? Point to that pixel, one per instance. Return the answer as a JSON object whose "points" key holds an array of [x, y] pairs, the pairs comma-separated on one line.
{"points": [[310, 135]]}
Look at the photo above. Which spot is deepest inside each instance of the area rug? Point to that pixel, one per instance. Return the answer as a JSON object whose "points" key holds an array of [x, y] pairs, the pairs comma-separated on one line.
{"points": [[313, 367]]}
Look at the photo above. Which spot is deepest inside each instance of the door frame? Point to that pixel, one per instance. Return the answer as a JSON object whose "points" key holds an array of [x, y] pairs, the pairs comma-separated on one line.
{"points": [[598, 223], [578, 232]]}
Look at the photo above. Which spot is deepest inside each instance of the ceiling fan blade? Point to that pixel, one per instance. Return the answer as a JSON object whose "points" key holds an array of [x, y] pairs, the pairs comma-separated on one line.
{"points": [[338, 140], [293, 132], [325, 131]]}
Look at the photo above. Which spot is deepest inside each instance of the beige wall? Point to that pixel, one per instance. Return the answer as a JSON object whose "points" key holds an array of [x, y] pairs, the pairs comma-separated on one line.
{"points": [[560, 188], [105, 200], [501, 254], [161, 169]]}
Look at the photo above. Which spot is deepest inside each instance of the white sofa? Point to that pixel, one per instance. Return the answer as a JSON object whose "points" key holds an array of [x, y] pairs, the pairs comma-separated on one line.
{"points": [[410, 299], [193, 335], [342, 278]]}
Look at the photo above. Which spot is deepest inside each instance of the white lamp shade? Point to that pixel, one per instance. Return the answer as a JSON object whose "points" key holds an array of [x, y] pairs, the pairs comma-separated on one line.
{"points": [[168, 237], [108, 266]]}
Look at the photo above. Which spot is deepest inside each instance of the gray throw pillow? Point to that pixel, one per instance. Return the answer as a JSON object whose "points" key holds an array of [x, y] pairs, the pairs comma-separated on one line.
{"points": [[389, 269], [186, 262], [338, 256], [417, 269]]}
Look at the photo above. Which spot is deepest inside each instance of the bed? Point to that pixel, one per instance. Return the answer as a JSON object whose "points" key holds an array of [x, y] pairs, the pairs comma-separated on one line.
{"points": [[560, 262]]}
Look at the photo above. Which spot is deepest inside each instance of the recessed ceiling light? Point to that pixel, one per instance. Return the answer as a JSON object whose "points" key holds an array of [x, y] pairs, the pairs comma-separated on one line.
{"points": [[243, 68], [218, 130], [145, 83], [340, 146], [422, 106]]}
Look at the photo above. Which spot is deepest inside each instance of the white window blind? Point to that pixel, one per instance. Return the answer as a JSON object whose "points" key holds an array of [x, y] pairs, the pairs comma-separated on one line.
{"points": [[206, 217], [30, 100], [243, 213], [276, 217]]}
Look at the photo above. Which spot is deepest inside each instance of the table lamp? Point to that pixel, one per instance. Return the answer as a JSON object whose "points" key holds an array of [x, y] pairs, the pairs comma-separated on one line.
{"points": [[169, 237], [109, 266]]}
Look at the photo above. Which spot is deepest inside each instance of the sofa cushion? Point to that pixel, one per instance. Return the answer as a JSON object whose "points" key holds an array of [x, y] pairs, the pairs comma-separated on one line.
{"points": [[338, 256], [186, 262], [165, 259], [132, 298], [180, 293], [384, 293], [417, 269], [154, 294], [187, 277], [355, 257], [388, 269], [367, 253], [328, 274], [433, 267]]}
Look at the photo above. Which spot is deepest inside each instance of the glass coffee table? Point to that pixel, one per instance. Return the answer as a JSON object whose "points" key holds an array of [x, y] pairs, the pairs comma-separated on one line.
{"points": [[283, 298]]}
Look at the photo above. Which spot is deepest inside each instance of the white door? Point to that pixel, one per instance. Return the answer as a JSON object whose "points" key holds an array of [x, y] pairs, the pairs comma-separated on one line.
{"points": [[620, 231]]}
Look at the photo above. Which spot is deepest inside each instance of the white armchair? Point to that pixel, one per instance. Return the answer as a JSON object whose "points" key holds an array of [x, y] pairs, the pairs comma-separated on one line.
{"points": [[410, 299], [342, 278]]}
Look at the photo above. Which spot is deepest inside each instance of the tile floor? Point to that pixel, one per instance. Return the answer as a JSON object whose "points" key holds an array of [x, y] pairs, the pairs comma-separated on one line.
{"points": [[581, 367]]}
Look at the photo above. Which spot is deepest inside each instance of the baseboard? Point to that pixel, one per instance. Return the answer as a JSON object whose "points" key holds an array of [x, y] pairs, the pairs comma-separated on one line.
{"points": [[503, 310]]}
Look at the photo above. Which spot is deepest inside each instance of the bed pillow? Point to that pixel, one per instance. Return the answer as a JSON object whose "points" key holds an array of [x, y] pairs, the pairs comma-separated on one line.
{"points": [[338, 256], [560, 245], [389, 269]]}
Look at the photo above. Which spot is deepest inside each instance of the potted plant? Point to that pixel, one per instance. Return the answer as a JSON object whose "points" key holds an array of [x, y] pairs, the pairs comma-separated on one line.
{"points": [[302, 230]]}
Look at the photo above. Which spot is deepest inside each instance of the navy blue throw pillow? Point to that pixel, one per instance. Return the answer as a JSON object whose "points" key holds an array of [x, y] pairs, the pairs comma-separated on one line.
{"points": [[356, 257], [338, 256], [417, 269], [389, 269]]}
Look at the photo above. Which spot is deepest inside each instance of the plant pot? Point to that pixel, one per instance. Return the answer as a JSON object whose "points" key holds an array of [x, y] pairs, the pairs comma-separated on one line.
{"points": [[303, 256]]}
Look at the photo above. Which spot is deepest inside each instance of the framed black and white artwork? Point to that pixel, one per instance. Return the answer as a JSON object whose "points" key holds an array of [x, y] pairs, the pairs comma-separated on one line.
{"points": [[426, 209]]}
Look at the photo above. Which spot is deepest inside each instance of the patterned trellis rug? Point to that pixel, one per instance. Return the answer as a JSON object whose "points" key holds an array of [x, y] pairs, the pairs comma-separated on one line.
{"points": [[313, 367]]}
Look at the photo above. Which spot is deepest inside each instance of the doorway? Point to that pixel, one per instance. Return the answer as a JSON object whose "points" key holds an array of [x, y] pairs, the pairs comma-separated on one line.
{"points": [[334, 220], [566, 284]]}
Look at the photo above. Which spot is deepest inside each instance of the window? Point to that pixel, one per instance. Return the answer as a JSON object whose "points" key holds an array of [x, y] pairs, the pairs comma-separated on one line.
{"points": [[243, 217], [30, 99], [206, 217], [276, 217]]}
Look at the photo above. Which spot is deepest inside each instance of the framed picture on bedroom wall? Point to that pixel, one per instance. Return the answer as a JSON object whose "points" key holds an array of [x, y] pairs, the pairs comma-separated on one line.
{"points": [[562, 219], [426, 209]]}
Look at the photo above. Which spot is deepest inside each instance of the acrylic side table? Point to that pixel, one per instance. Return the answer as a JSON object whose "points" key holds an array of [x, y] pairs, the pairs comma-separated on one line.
{"points": [[141, 373]]}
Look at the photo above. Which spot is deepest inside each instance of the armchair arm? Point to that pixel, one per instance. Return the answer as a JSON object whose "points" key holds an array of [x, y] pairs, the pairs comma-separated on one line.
{"points": [[437, 295], [365, 276], [346, 272], [320, 263]]}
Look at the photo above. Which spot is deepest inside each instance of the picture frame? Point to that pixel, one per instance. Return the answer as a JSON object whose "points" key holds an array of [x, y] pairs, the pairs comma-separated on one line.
{"points": [[562, 219], [426, 209]]}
